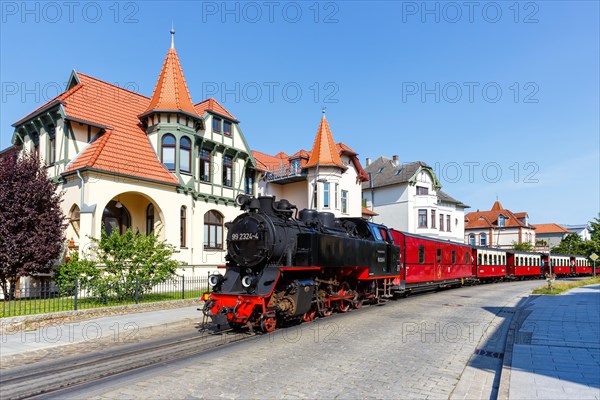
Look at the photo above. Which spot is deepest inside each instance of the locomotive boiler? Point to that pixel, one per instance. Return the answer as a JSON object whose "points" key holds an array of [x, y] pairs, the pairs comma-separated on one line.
{"points": [[285, 265]]}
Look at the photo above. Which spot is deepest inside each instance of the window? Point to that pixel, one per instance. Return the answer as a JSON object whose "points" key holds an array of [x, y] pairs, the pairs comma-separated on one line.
{"points": [[479, 259], [182, 226], [249, 182], [421, 254], [422, 190], [467, 257], [315, 195], [150, 219], [453, 256], [36, 146], [485, 259], [483, 239], [448, 224], [204, 165], [501, 220], [399, 171], [167, 152], [227, 128], [495, 259], [51, 145], [344, 201], [380, 170], [185, 155], [432, 219], [213, 230], [335, 195], [296, 166], [227, 171], [441, 222], [439, 256], [216, 125], [115, 217], [422, 218], [472, 239], [326, 195], [74, 218]]}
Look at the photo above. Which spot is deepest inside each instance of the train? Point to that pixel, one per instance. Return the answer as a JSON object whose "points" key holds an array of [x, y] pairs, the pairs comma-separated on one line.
{"points": [[285, 265]]}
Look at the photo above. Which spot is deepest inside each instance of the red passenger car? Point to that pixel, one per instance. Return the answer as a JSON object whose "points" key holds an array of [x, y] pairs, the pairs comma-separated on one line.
{"points": [[489, 263], [581, 265], [522, 264], [428, 262]]}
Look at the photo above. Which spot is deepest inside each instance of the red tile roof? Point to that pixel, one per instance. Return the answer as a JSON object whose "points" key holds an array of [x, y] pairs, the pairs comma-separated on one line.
{"points": [[367, 212], [324, 151], [550, 228], [485, 219], [213, 105], [171, 91], [124, 148]]}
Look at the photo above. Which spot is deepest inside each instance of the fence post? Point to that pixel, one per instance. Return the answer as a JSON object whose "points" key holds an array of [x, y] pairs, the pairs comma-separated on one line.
{"points": [[182, 287], [137, 290], [76, 293]]}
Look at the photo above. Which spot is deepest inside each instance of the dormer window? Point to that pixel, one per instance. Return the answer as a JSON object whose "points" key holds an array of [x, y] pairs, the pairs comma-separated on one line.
{"points": [[216, 125], [399, 171], [380, 170], [227, 128], [422, 191], [501, 220], [296, 165]]}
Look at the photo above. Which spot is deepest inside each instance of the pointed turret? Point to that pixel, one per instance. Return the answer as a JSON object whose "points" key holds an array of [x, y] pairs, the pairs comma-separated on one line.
{"points": [[497, 206], [324, 151], [171, 92]]}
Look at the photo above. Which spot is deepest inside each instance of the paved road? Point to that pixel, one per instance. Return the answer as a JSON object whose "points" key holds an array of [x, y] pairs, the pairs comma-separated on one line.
{"points": [[418, 347]]}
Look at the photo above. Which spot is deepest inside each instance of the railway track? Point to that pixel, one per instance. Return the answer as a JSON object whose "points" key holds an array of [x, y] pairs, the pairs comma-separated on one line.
{"points": [[50, 378]]}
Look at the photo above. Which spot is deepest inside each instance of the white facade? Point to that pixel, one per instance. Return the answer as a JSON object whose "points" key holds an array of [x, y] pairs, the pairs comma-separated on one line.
{"points": [[412, 203]]}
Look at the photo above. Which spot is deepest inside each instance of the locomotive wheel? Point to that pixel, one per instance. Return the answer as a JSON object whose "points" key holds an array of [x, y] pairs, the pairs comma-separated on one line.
{"points": [[268, 324], [309, 315], [326, 312], [344, 305]]}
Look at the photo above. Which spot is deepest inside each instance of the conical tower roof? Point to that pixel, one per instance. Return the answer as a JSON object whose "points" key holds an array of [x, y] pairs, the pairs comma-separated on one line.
{"points": [[497, 206], [171, 92], [324, 151]]}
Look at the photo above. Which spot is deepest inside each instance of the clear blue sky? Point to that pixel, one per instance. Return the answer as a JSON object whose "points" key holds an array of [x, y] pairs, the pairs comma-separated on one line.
{"points": [[416, 79]]}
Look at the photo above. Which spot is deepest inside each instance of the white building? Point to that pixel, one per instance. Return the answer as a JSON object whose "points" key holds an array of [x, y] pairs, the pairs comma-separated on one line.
{"points": [[159, 163], [327, 178], [408, 197], [582, 230]]}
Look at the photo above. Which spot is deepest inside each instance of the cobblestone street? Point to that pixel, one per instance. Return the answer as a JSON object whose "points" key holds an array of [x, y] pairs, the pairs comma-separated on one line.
{"points": [[412, 348]]}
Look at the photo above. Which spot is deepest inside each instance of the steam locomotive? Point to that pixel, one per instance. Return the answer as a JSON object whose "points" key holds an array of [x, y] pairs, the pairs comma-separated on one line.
{"points": [[287, 265]]}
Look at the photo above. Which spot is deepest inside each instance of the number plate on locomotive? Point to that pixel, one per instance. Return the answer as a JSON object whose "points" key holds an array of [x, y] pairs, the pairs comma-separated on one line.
{"points": [[244, 236]]}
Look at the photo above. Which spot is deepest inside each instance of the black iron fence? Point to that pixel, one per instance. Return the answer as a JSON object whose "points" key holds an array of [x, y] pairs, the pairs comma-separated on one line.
{"points": [[36, 299]]}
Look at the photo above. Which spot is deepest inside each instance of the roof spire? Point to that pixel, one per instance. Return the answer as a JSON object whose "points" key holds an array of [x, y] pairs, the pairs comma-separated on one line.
{"points": [[172, 36], [323, 110], [324, 151]]}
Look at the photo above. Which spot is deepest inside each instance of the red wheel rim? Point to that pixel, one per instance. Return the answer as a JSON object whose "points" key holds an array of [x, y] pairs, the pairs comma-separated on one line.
{"points": [[309, 316], [344, 305], [268, 324]]}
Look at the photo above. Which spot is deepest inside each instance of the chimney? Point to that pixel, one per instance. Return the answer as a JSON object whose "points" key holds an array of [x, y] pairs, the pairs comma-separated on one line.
{"points": [[368, 161], [395, 160]]}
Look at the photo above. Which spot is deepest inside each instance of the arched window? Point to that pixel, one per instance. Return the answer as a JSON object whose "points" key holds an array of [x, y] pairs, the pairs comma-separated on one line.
{"points": [[182, 226], [167, 151], [149, 219], [472, 239], [213, 230], [483, 239], [74, 219], [116, 217], [185, 155]]}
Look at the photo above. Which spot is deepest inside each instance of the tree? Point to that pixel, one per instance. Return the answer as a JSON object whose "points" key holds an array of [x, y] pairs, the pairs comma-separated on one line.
{"points": [[571, 244], [125, 261], [32, 224], [524, 246], [595, 229]]}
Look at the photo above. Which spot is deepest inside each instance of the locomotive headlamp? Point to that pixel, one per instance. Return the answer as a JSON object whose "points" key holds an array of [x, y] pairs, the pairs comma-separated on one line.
{"points": [[215, 280], [249, 281]]}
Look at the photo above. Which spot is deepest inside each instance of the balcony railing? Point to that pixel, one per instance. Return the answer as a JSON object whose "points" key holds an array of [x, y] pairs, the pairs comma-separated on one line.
{"points": [[284, 173]]}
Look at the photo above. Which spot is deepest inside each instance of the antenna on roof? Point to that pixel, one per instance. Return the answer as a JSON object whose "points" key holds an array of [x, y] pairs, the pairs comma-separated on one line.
{"points": [[496, 196], [172, 36]]}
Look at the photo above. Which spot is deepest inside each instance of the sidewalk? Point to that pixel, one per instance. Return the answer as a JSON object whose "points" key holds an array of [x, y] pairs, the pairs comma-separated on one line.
{"points": [[117, 328], [556, 348]]}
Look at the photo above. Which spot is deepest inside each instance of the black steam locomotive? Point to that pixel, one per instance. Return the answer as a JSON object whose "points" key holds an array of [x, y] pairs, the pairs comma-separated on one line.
{"points": [[284, 264]]}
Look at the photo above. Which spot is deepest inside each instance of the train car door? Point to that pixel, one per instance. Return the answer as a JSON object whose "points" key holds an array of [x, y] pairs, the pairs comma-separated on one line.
{"points": [[438, 267]]}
